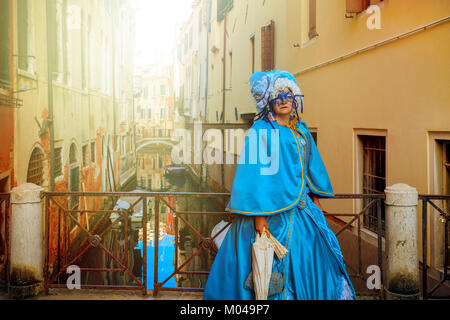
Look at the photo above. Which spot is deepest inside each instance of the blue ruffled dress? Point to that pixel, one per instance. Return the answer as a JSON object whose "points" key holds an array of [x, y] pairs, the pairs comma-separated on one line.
{"points": [[313, 268]]}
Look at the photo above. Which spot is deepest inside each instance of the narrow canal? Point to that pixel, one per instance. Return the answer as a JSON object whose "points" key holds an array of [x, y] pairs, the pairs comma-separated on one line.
{"points": [[153, 166]]}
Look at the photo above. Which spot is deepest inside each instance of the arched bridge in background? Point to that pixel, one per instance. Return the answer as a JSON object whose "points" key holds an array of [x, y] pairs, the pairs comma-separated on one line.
{"points": [[149, 141]]}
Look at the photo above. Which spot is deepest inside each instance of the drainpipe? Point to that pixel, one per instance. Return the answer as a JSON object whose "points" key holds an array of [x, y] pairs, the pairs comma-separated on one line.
{"points": [[12, 80], [207, 72], [223, 95], [204, 167], [50, 58], [113, 58]]}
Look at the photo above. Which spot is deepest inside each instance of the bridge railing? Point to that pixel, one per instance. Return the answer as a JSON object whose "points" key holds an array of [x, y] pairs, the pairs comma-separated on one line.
{"points": [[61, 244]]}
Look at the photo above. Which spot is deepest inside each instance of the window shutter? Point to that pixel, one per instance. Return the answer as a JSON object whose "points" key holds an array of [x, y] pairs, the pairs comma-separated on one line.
{"points": [[208, 16], [312, 19], [223, 6], [219, 10], [357, 6], [267, 47], [4, 46]]}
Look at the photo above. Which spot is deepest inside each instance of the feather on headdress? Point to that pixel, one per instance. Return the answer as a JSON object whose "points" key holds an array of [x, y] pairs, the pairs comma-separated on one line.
{"points": [[265, 87]]}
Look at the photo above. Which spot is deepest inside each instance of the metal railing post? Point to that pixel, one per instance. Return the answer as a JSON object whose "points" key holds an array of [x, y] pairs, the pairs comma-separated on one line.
{"points": [[424, 247], [47, 243], [156, 244], [380, 246], [359, 247], [144, 243], [446, 249]]}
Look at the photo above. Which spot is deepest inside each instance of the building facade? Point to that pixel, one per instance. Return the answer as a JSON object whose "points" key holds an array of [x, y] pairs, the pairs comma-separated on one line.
{"points": [[66, 98], [68, 136], [155, 112], [374, 76]]}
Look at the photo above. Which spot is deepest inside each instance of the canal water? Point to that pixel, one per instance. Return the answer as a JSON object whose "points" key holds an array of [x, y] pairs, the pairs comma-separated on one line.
{"points": [[166, 252], [151, 164]]}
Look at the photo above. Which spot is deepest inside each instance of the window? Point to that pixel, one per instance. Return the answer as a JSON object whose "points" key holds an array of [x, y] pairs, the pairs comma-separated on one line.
{"points": [[22, 24], [223, 6], [446, 163], [4, 42], [312, 19], [373, 176], [149, 113], [439, 184], [83, 51], [149, 186], [74, 182], [162, 90], [267, 46], [35, 172], [230, 72], [314, 135], [64, 41], [73, 154], [92, 54], [252, 54], [446, 185], [208, 16], [85, 155], [58, 162], [92, 151]]}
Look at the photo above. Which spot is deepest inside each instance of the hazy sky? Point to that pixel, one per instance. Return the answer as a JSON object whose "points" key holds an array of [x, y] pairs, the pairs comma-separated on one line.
{"points": [[157, 22]]}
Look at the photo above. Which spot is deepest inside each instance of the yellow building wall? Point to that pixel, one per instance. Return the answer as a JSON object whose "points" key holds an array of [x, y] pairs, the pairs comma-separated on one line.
{"points": [[81, 115], [400, 88]]}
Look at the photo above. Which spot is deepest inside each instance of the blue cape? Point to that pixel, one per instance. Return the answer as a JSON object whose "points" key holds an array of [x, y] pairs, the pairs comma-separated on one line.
{"points": [[274, 169]]}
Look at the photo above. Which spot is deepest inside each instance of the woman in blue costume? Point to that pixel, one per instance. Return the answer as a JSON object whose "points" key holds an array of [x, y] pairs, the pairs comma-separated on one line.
{"points": [[280, 192]]}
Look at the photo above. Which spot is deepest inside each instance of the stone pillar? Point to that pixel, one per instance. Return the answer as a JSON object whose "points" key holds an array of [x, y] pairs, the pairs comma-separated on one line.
{"points": [[402, 251], [26, 264]]}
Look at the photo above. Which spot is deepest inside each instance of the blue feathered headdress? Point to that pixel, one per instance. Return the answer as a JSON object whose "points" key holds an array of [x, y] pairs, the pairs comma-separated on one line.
{"points": [[265, 86]]}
